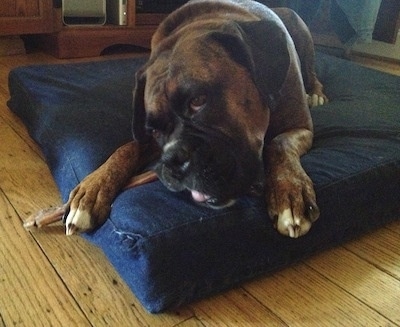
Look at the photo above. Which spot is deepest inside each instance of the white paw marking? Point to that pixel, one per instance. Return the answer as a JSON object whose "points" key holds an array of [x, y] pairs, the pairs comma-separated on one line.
{"points": [[315, 100], [292, 226], [77, 220]]}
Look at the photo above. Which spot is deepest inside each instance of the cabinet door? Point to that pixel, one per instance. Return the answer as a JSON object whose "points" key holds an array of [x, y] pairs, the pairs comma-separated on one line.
{"points": [[25, 16]]}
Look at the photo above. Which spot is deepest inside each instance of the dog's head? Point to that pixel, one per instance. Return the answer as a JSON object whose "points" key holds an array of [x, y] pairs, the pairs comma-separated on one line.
{"points": [[200, 100]]}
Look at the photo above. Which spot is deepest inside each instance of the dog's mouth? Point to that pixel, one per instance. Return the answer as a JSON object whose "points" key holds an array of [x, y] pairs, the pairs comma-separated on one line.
{"points": [[217, 197], [210, 201], [199, 197], [214, 175]]}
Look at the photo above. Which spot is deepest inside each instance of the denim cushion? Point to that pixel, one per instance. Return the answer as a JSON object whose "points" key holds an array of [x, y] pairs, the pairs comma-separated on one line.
{"points": [[171, 251]]}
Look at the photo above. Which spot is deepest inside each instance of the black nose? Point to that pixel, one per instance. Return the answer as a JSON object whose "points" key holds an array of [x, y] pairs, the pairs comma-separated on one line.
{"points": [[177, 161]]}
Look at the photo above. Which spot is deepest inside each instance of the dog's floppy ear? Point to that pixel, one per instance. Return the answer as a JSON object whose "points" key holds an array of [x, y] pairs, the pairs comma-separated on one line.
{"points": [[269, 48], [261, 46], [139, 112], [236, 47]]}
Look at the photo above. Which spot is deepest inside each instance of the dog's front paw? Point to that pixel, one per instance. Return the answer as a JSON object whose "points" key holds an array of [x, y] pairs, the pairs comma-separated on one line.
{"points": [[89, 204], [291, 202], [316, 99], [78, 221], [295, 225]]}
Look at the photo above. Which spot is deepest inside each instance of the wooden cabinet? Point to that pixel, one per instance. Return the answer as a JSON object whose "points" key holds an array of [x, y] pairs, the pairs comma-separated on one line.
{"points": [[89, 41], [43, 24], [25, 16]]}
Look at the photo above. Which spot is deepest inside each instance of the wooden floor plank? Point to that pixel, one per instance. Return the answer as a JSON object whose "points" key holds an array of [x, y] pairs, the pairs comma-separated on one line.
{"points": [[23, 174], [381, 249], [382, 65], [395, 227], [193, 322], [362, 280], [235, 308], [302, 297], [32, 293]]}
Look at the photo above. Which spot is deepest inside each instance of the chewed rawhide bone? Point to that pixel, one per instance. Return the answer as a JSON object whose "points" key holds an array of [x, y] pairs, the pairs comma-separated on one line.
{"points": [[45, 217], [52, 215]]}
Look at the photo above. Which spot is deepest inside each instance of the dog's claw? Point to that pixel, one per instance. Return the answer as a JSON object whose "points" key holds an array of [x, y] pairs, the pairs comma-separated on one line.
{"points": [[315, 100], [78, 221], [312, 212], [291, 231], [291, 226], [71, 229], [65, 215]]}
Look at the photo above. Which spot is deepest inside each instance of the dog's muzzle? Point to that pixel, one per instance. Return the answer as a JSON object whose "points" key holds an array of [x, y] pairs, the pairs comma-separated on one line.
{"points": [[211, 172]]}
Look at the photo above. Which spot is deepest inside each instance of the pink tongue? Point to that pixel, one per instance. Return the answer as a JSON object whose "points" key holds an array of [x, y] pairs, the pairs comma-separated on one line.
{"points": [[199, 197]]}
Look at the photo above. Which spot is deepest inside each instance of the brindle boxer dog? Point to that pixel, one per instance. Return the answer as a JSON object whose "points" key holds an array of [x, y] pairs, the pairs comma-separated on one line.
{"points": [[223, 104]]}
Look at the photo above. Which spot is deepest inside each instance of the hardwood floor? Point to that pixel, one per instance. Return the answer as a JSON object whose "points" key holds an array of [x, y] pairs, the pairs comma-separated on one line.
{"points": [[48, 279]]}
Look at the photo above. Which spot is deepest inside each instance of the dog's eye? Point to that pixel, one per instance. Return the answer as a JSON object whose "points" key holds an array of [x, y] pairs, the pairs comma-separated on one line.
{"points": [[155, 133], [197, 103]]}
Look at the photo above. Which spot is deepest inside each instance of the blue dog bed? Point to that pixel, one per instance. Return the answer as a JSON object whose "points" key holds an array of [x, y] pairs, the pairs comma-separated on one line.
{"points": [[171, 251]]}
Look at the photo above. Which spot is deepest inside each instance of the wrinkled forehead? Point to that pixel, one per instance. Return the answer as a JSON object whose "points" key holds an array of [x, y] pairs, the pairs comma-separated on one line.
{"points": [[192, 58], [197, 57], [168, 78]]}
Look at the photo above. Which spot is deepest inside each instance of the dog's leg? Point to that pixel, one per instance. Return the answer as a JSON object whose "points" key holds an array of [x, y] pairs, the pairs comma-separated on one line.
{"points": [[314, 88], [90, 202], [52, 215], [304, 43], [290, 194]]}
